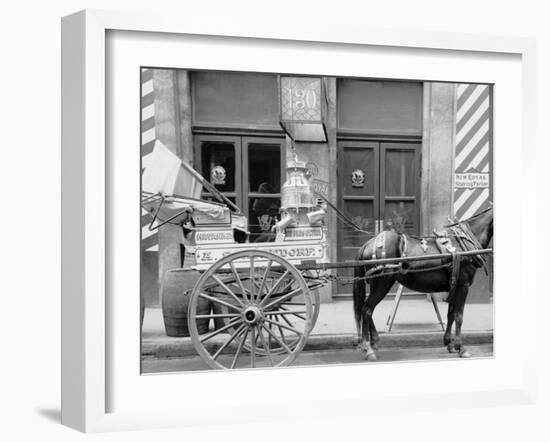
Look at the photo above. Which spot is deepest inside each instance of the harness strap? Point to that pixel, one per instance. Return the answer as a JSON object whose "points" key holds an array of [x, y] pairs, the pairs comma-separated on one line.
{"points": [[454, 275], [445, 245], [464, 234]]}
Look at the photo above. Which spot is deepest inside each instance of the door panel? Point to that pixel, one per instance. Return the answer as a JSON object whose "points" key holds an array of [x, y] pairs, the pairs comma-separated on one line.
{"points": [[399, 172], [361, 212], [399, 187], [362, 158], [358, 175]]}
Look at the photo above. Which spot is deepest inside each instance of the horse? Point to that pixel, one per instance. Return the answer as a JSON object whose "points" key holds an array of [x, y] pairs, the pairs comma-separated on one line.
{"points": [[453, 275]]}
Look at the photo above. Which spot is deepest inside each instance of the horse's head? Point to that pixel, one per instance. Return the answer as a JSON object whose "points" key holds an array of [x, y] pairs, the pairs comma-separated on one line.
{"points": [[481, 225]]}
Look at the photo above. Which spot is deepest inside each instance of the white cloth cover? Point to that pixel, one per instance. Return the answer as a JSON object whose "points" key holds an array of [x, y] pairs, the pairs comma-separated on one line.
{"points": [[165, 175]]}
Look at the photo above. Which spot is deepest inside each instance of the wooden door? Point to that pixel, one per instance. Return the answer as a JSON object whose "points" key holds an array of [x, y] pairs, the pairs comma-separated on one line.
{"points": [[378, 186]]}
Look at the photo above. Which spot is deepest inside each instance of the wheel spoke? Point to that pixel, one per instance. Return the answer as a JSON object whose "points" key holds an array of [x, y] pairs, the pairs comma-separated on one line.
{"points": [[266, 347], [286, 287], [219, 301], [211, 285], [279, 324], [280, 329], [252, 346], [283, 298], [251, 279], [286, 320], [283, 276], [286, 312], [228, 290], [217, 315], [220, 330], [262, 285], [229, 341], [239, 349], [274, 336], [238, 279]]}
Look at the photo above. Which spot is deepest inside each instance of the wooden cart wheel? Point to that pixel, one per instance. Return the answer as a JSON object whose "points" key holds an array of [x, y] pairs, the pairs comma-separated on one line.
{"points": [[266, 307]]}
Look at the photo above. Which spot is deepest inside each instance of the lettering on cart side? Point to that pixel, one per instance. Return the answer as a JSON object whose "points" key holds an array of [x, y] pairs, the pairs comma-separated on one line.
{"points": [[214, 236], [293, 252]]}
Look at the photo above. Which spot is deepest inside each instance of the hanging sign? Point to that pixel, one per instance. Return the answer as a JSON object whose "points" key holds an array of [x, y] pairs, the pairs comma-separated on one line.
{"points": [[302, 110], [471, 180]]}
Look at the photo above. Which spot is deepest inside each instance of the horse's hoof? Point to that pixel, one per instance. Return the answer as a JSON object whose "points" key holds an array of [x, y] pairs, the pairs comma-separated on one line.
{"points": [[370, 356], [374, 345], [451, 348], [465, 354]]}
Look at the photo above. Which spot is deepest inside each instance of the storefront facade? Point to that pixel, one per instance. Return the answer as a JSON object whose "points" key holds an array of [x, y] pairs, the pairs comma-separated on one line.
{"points": [[389, 159]]}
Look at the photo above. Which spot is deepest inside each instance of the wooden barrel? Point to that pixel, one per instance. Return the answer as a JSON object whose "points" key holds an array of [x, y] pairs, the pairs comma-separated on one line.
{"points": [[176, 291]]}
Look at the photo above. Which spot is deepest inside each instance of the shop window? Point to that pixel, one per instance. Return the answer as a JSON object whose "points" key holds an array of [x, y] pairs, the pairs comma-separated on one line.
{"points": [[248, 170]]}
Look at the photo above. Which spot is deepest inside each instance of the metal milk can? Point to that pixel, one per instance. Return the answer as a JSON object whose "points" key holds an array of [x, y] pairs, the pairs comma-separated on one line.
{"points": [[297, 197]]}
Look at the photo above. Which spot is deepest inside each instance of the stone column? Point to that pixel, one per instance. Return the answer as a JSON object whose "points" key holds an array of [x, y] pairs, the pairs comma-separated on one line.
{"points": [[167, 131], [437, 155]]}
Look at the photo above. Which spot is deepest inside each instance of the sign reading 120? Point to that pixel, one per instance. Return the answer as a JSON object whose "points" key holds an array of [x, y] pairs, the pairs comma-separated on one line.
{"points": [[300, 98]]}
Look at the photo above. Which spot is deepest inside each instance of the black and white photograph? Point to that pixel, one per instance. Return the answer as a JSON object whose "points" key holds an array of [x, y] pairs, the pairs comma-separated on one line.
{"points": [[302, 220], [274, 221]]}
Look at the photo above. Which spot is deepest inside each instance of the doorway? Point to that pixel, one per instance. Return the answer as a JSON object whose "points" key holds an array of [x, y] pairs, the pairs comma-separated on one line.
{"points": [[249, 171], [378, 189]]}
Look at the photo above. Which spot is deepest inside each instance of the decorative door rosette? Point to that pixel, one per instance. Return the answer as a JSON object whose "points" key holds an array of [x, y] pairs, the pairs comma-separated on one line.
{"points": [[217, 175], [358, 178]]}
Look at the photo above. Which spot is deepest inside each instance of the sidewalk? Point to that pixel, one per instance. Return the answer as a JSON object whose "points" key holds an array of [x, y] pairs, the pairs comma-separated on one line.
{"points": [[415, 325]]}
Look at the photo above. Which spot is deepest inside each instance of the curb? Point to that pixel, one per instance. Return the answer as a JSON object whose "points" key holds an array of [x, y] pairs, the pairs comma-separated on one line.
{"points": [[166, 348]]}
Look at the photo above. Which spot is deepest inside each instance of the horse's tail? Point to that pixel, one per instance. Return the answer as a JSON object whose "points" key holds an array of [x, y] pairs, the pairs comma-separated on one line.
{"points": [[359, 290]]}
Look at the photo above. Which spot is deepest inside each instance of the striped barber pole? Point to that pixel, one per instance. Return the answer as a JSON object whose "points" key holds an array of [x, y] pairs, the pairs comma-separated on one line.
{"points": [[473, 149], [149, 239]]}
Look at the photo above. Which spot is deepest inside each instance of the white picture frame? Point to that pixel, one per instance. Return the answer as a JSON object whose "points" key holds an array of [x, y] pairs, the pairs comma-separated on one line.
{"points": [[94, 364]]}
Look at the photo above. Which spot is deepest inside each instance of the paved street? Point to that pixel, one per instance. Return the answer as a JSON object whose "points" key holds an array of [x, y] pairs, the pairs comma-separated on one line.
{"points": [[347, 356]]}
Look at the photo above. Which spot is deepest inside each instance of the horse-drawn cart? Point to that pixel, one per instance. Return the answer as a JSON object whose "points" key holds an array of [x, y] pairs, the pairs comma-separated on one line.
{"points": [[263, 295]]}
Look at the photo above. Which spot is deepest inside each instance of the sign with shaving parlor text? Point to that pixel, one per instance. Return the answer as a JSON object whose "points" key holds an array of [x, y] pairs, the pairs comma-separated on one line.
{"points": [[471, 180]]}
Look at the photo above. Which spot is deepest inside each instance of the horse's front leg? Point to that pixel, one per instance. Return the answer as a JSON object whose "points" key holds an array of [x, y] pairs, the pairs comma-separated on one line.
{"points": [[459, 316], [447, 337], [374, 337]]}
